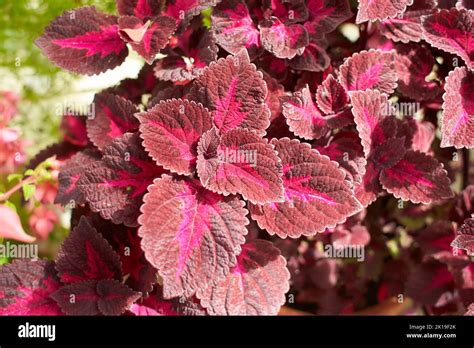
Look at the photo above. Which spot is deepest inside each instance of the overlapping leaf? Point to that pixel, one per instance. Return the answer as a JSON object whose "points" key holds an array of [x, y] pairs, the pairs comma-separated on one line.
{"points": [[255, 286], [113, 117], [457, 120], [191, 235], [104, 297], [465, 237], [284, 41], [371, 10], [115, 185], [240, 162], [451, 31], [325, 16], [373, 69], [235, 92], [171, 131], [84, 41], [26, 287], [86, 255], [317, 196]]}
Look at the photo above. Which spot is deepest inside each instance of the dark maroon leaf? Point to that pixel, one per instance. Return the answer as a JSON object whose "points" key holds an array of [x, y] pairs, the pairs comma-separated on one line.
{"points": [[86, 255], [84, 41], [26, 287], [113, 117], [103, 297], [115, 185]]}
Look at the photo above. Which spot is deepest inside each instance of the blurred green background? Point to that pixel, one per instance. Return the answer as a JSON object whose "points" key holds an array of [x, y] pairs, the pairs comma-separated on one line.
{"points": [[40, 85]]}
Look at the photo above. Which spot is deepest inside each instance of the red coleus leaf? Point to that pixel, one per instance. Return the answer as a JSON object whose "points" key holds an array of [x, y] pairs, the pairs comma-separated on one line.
{"points": [[240, 162], [373, 69], [26, 287], [113, 117], [451, 31], [84, 41], [115, 185], [457, 120], [235, 92], [317, 196], [148, 37], [417, 177], [406, 26], [428, 282], [436, 237], [92, 297], [371, 10], [255, 286], [86, 255], [368, 108], [369, 188], [413, 64], [314, 58], [467, 4], [171, 131], [137, 272], [184, 10], [196, 50], [345, 149], [235, 28], [294, 11], [424, 136], [275, 91], [304, 118], [139, 8], [74, 129], [465, 237], [191, 235], [331, 96], [325, 16], [284, 41], [71, 171]]}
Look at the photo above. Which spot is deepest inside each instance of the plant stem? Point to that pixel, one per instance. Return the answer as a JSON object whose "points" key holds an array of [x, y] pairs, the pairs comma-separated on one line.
{"points": [[5, 196]]}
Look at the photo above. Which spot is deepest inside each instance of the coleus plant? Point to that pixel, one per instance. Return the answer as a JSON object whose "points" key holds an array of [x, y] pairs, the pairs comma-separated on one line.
{"points": [[200, 186]]}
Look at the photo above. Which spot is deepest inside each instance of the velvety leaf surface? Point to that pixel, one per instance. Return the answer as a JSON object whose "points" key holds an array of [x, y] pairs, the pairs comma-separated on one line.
{"points": [[418, 178], [451, 31], [71, 171], [26, 287], [465, 237], [373, 69], [457, 120], [86, 255], [284, 41], [139, 8], [331, 96], [191, 235], [184, 10], [240, 162], [171, 131], [302, 115], [104, 297], [317, 196], [235, 92], [314, 58], [113, 117], [255, 286], [84, 41], [235, 28], [325, 16], [115, 185], [371, 10], [147, 38]]}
